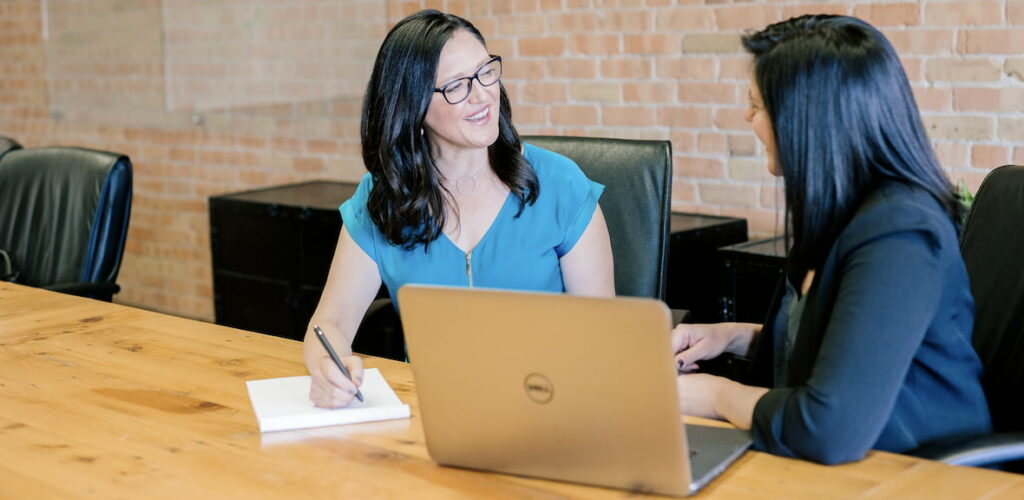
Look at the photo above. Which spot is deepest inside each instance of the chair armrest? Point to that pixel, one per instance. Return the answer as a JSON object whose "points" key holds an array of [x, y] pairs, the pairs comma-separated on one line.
{"points": [[101, 291], [975, 451]]}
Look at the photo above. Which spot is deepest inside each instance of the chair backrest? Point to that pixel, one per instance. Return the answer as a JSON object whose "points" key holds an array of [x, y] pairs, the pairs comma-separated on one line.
{"points": [[64, 213], [993, 251], [7, 144], [637, 176]]}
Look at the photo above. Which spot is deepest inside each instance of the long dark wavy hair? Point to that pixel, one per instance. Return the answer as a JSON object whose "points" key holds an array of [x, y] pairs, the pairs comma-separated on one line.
{"points": [[845, 121], [407, 202]]}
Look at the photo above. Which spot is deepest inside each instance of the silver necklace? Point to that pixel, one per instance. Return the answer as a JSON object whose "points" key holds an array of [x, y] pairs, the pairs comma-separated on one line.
{"points": [[466, 184]]}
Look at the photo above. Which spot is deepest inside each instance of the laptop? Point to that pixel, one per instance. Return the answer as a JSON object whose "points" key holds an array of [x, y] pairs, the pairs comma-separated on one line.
{"points": [[577, 389]]}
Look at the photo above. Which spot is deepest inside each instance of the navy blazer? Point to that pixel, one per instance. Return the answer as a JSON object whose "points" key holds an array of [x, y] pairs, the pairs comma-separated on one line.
{"points": [[883, 356]]}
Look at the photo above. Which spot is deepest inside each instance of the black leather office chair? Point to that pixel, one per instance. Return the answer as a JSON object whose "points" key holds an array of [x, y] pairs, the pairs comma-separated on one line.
{"points": [[65, 217], [7, 144], [637, 176], [993, 250]]}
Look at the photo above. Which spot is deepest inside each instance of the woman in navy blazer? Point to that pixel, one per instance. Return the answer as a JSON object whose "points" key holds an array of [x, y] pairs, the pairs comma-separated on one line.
{"points": [[869, 346]]}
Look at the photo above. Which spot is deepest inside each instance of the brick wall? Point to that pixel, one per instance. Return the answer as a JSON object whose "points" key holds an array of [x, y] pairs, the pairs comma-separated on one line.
{"points": [[208, 98]]}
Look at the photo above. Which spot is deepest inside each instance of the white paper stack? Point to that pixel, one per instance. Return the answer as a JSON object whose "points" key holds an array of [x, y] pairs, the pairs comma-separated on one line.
{"points": [[283, 403]]}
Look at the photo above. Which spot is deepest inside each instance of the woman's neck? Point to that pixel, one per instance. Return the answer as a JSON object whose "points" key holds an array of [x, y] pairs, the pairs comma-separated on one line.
{"points": [[467, 173], [458, 163]]}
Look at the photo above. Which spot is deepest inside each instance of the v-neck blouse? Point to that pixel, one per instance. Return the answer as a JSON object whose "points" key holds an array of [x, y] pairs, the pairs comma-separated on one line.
{"points": [[520, 253]]}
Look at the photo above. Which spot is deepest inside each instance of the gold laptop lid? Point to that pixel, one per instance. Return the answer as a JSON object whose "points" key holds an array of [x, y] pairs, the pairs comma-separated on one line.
{"points": [[563, 387]]}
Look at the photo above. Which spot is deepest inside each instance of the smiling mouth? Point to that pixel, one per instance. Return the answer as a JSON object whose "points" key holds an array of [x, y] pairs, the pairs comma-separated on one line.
{"points": [[481, 116]]}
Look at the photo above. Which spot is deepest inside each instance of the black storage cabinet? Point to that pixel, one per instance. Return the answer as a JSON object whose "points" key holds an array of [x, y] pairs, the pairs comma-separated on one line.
{"points": [[749, 274], [693, 269], [272, 249]]}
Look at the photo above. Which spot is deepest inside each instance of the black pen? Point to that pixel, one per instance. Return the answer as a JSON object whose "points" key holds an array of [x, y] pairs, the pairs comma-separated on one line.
{"points": [[334, 356]]}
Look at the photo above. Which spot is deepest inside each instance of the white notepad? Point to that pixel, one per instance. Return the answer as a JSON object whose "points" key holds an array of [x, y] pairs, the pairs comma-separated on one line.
{"points": [[283, 403]]}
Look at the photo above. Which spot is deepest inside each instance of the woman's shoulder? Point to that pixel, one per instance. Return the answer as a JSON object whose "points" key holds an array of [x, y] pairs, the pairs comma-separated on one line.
{"points": [[551, 166], [894, 208]]}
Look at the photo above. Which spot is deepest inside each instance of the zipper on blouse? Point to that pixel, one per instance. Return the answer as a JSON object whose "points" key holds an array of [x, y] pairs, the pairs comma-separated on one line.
{"points": [[469, 267]]}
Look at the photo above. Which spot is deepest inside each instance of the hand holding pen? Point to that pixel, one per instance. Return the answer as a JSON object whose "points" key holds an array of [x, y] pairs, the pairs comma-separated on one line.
{"points": [[329, 389]]}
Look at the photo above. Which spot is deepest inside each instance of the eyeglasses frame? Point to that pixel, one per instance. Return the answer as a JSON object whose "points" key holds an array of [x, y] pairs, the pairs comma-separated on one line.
{"points": [[470, 78]]}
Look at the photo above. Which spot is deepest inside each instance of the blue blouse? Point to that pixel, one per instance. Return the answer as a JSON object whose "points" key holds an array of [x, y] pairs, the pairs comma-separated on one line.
{"points": [[515, 253]]}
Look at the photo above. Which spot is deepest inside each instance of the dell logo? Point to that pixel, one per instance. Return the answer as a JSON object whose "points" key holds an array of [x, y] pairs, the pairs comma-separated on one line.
{"points": [[539, 388]]}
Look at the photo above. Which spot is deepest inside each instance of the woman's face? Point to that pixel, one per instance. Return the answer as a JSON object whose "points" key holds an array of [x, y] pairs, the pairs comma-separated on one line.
{"points": [[472, 123], [758, 118]]}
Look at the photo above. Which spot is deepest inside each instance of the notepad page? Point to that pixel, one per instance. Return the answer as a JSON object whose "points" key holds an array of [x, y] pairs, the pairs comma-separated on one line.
{"points": [[283, 403]]}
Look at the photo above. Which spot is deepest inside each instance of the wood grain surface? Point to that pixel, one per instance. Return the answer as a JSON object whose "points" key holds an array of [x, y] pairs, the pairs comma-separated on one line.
{"points": [[106, 401]]}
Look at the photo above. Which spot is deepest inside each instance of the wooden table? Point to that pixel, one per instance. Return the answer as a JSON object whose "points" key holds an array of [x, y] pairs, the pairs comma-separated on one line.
{"points": [[106, 401]]}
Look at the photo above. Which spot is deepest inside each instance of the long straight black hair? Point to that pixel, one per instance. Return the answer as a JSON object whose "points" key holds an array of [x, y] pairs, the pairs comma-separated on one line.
{"points": [[407, 202], [845, 120]]}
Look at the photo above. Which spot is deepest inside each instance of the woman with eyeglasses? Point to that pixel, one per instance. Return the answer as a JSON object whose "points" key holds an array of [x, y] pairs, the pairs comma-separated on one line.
{"points": [[869, 344], [452, 197]]}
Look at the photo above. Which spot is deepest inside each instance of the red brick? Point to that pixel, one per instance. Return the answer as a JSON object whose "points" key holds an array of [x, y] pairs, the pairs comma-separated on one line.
{"points": [[629, 67], [596, 44], [749, 170], [625, 21], [609, 92], [683, 68], [890, 14], [574, 115], [1011, 129], [683, 116], [541, 46], [933, 99], [735, 67], [520, 25], [652, 44], [679, 19], [1018, 155], [530, 69], [544, 92], [742, 145], [1015, 69], [308, 164], [712, 143], [683, 140], [651, 92], [719, 93], [683, 191], [564, 67], [964, 128], [964, 13], [951, 154], [698, 167], [729, 194], [988, 99], [989, 156], [839, 8], [773, 196], [922, 41], [742, 17], [629, 116], [575, 22], [1015, 12], [731, 119], [962, 70], [1007, 41], [713, 43], [524, 5], [527, 114]]}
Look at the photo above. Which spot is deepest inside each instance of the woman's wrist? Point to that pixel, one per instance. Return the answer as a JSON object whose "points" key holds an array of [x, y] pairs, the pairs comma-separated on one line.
{"points": [[741, 338], [735, 402]]}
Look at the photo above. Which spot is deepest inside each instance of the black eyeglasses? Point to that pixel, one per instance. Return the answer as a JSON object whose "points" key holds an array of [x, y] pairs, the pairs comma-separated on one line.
{"points": [[458, 90]]}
